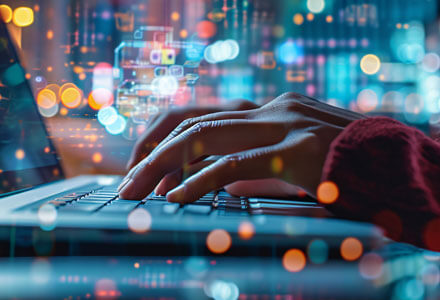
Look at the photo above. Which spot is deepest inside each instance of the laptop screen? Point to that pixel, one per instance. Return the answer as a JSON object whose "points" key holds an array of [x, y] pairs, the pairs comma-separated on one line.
{"points": [[27, 157]]}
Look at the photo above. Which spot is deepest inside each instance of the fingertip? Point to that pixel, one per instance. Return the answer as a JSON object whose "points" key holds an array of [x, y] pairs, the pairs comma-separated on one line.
{"points": [[126, 190], [176, 195]]}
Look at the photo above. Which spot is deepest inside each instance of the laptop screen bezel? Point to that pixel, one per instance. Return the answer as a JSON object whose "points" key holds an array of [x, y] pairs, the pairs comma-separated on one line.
{"points": [[41, 170]]}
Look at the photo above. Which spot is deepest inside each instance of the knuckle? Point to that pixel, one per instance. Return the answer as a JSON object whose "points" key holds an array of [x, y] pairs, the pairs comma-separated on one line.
{"points": [[232, 160], [201, 127], [291, 95]]}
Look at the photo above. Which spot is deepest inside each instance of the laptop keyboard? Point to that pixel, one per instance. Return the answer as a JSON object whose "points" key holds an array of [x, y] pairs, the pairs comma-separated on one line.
{"points": [[105, 200]]}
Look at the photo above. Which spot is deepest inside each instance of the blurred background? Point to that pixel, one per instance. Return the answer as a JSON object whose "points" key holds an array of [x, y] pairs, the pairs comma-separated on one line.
{"points": [[100, 69]]}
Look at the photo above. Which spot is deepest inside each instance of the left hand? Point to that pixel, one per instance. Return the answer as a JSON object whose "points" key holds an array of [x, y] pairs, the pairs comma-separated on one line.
{"points": [[287, 139]]}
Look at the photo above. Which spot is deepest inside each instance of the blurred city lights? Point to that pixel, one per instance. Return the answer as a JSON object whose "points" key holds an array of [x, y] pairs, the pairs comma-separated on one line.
{"points": [[218, 241], [206, 29], [6, 13], [351, 249], [97, 158], [277, 165], [139, 220], [165, 85], [222, 290], [316, 6], [431, 62], [221, 51], [370, 64], [118, 126], [317, 251], [46, 99], [294, 260], [23, 16], [71, 97], [196, 266], [298, 19], [327, 192], [289, 53], [367, 100], [47, 216], [101, 97], [19, 154], [107, 115], [246, 230], [371, 266]]}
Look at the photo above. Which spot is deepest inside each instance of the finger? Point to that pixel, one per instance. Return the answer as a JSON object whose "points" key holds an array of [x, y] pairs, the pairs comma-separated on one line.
{"points": [[159, 129], [205, 138], [188, 123], [271, 187], [247, 165], [170, 181]]}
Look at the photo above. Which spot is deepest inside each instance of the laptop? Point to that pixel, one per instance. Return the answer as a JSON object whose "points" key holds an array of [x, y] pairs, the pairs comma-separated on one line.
{"points": [[43, 213]]}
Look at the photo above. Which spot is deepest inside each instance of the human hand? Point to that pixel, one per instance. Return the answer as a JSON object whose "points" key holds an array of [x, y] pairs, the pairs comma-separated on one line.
{"points": [[286, 139], [161, 126]]}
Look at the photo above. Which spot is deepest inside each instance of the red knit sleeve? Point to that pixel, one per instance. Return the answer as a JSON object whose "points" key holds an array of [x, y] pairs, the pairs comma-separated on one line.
{"points": [[389, 174]]}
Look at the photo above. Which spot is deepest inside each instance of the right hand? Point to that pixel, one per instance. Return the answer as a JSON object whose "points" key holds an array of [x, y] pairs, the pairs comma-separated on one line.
{"points": [[161, 126]]}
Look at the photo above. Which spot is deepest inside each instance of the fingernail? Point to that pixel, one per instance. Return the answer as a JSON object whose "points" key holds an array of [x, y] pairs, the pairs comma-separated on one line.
{"points": [[123, 183], [126, 191], [129, 163], [158, 191], [177, 194]]}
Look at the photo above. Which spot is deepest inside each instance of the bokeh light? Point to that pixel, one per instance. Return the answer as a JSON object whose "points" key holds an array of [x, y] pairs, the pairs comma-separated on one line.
{"points": [[47, 216], [97, 158], [290, 52], [165, 85], [6, 13], [316, 6], [298, 19], [23, 16], [351, 249], [118, 126], [246, 230], [206, 29], [218, 241], [370, 64], [71, 97], [20, 154], [317, 251], [107, 115], [46, 99], [221, 51], [222, 290], [175, 16], [100, 98], [139, 220], [277, 165], [196, 266], [106, 289], [371, 266], [431, 62], [327, 192], [294, 260], [367, 100], [409, 289]]}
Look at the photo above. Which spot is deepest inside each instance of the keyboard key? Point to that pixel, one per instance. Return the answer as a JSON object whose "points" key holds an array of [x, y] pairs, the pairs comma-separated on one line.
{"points": [[81, 207], [118, 207], [92, 201], [197, 209], [170, 208]]}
